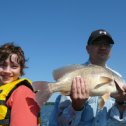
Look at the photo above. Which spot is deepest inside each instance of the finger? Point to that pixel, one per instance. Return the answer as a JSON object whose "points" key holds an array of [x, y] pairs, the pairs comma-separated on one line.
{"points": [[124, 87], [120, 89], [78, 85], [83, 85], [73, 88], [84, 89]]}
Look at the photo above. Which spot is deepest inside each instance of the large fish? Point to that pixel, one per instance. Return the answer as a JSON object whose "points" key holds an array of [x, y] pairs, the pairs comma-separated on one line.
{"points": [[100, 81]]}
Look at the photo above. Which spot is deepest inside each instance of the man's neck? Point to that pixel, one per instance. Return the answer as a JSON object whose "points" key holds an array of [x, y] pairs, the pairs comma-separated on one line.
{"points": [[99, 63]]}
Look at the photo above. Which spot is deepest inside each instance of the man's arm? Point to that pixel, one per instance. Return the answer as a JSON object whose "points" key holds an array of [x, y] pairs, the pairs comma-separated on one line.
{"points": [[67, 112]]}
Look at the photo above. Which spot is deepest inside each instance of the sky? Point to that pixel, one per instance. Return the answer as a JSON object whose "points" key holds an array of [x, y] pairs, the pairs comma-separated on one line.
{"points": [[54, 33]]}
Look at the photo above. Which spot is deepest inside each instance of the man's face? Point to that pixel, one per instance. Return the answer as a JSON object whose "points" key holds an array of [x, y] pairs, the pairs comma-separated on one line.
{"points": [[99, 50]]}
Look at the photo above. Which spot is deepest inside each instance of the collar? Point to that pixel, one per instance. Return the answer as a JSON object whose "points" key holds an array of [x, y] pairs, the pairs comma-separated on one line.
{"points": [[89, 63]]}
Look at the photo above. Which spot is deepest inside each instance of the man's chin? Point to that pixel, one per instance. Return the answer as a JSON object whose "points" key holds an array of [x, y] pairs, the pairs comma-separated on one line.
{"points": [[103, 57]]}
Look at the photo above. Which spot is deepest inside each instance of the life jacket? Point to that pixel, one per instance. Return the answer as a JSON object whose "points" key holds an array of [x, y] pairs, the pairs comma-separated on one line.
{"points": [[5, 92]]}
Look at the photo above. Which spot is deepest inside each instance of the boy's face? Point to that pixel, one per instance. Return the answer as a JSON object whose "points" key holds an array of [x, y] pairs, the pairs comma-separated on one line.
{"points": [[10, 69]]}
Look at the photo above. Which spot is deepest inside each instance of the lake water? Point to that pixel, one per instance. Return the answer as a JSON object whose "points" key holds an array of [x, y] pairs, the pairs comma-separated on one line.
{"points": [[45, 113]]}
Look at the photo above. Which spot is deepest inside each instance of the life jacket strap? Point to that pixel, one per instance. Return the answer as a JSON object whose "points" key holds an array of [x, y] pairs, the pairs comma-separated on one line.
{"points": [[2, 102], [4, 122]]}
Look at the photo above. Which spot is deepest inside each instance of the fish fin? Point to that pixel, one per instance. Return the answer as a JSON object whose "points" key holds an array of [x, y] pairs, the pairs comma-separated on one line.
{"points": [[105, 80], [118, 87], [41, 88], [60, 72], [103, 99], [102, 81]]}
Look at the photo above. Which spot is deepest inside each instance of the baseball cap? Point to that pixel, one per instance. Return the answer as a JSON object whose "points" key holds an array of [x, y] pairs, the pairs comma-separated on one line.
{"points": [[99, 34]]}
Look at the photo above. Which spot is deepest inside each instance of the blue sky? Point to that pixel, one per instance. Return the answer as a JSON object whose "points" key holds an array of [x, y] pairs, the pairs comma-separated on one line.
{"points": [[53, 33]]}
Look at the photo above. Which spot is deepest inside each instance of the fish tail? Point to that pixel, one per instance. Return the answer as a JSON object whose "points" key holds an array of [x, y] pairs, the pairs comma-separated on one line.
{"points": [[42, 90]]}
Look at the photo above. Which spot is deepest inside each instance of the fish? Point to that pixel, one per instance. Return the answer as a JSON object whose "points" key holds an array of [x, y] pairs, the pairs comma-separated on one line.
{"points": [[100, 81]]}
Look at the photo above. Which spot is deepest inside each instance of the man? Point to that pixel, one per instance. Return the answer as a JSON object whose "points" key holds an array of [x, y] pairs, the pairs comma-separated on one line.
{"points": [[79, 109]]}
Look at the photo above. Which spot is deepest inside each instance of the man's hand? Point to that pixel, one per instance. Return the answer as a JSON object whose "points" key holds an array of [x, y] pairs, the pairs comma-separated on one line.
{"points": [[79, 93], [121, 96]]}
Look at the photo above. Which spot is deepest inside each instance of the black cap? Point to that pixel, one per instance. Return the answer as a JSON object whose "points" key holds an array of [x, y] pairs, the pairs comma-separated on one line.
{"points": [[101, 33]]}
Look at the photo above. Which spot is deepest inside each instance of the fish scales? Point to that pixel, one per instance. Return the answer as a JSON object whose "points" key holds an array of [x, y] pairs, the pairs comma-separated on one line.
{"points": [[100, 81], [94, 76]]}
